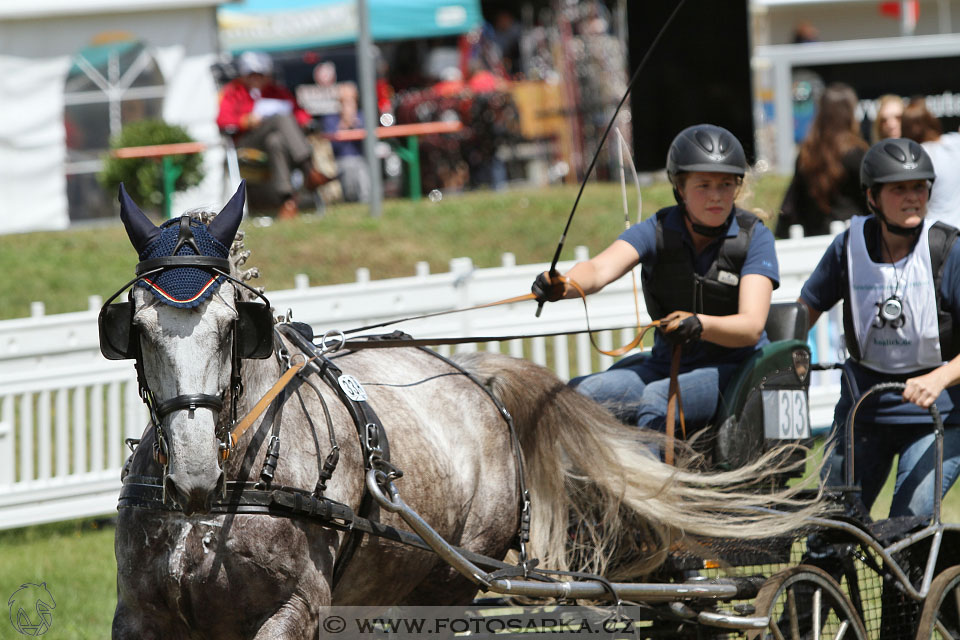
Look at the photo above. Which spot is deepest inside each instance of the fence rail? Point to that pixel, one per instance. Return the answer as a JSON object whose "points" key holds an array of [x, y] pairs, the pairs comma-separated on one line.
{"points": [[65, 411]]}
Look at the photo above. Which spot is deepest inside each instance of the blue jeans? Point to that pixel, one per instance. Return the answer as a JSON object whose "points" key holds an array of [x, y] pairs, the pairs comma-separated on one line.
{"points": [[886, 426], [874, 448], [635, 390]]}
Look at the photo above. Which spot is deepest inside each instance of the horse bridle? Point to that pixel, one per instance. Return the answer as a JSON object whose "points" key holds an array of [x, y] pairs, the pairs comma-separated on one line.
{"points": [[252, 338]]}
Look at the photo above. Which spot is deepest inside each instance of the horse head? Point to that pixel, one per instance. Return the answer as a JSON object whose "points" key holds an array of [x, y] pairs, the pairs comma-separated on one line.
{"points": [[187, 327]]}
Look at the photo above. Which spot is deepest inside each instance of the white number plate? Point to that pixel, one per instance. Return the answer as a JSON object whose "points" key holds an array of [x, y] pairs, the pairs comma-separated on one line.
{"points": [[785, 414]]}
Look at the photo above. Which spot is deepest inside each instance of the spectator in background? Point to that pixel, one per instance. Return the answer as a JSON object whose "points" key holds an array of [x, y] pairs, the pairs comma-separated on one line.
{"points": [[451, 82], [887, 123], [805, 32], [507, 33], [826, 181], [489, 114], [922, 126], [351, 163], [261, 114], [385, 90]]}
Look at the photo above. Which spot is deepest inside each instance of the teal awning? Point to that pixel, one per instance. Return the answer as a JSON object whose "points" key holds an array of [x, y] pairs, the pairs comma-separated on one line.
{"points": [[298, 24]]}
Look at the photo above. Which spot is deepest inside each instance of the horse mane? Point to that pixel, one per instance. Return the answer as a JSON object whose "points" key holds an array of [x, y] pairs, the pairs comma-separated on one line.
{"points": [[603, 502]]}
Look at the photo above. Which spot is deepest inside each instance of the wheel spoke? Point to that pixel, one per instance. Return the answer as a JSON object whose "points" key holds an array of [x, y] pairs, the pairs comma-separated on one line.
{"points": [[939, 626], [777, 634], [792, 614], [842, 631], [817, 597]]}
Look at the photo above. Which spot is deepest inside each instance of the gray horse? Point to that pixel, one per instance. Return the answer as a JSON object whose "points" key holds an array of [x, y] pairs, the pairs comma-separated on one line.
{"points": [[194, 573]]}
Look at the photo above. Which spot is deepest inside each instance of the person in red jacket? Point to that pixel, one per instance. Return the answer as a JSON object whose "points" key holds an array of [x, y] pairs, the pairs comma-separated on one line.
{"points": [[260, 113]]}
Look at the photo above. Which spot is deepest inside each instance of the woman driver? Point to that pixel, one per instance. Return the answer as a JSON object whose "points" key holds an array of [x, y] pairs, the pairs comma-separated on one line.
{"points": [[708, 268], [898, 275]]}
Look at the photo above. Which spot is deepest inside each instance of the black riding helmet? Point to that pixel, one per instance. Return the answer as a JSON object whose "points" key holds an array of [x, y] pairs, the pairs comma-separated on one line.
{"points": [[894, 160], [708, 148]]}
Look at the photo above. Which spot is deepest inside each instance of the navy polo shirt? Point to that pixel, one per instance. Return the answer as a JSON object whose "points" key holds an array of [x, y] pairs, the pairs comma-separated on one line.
{"points": [[761, 259]]}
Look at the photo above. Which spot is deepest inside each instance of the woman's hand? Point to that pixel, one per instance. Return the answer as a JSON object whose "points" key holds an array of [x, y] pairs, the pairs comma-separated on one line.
{"points": [[548, 289], [924, 390], [681, 327]]}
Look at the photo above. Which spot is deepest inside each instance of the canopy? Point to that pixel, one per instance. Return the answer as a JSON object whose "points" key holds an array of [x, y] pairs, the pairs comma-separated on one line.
{"points": [[297, 24]]}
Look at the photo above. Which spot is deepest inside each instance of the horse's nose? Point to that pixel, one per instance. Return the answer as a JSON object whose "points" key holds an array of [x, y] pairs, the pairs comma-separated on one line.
{"points": [[191, 496]]}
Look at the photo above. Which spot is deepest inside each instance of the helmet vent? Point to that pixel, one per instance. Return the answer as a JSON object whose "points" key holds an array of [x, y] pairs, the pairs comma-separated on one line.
{"points": [[895, 152], [704, 140]]}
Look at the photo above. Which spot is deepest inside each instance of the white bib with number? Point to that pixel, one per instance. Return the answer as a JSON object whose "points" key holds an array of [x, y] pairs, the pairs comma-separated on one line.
{"points": [[912, 341]]}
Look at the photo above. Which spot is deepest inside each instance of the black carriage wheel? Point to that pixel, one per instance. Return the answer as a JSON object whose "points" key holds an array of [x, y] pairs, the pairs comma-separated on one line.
{"points": [[940, 618], [805, 602]]}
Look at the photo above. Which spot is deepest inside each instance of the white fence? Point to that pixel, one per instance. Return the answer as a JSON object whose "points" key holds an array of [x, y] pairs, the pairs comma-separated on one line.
{"points": [[64, 410]]}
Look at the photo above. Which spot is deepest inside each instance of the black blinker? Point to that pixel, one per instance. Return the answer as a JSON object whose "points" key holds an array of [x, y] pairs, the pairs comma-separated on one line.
{"points": [[115, 325], [254, 330]]}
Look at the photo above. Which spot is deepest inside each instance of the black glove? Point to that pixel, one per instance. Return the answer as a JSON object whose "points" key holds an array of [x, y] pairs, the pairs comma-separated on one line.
{"points": [[547, 289], [681, 327]]}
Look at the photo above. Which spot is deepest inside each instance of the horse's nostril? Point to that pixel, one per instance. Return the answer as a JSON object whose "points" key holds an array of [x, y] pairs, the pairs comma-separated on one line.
{"points": [[170, 489]]}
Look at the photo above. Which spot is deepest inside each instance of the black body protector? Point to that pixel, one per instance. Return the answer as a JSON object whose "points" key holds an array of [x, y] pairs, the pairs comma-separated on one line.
{"points": [[941, 238], [672, 283]]}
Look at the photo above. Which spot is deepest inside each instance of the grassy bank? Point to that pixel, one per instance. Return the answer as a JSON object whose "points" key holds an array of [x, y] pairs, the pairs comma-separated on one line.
{"points": [[63, 268], [75, 559]]}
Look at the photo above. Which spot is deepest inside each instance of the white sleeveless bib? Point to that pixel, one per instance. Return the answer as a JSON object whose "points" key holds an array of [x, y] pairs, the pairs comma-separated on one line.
{"points": [[884, 346]]}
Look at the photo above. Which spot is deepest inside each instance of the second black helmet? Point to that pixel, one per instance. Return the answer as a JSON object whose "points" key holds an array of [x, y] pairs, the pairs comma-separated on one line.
{"points": [[895, 160], [706, 147]]}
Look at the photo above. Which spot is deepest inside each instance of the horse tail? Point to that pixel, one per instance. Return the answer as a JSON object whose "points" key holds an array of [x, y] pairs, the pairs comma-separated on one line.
{"points": [[602, 501]]}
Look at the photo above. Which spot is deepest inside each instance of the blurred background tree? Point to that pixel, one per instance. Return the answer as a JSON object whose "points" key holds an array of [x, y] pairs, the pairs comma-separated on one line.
{"points": [[143, 177]]}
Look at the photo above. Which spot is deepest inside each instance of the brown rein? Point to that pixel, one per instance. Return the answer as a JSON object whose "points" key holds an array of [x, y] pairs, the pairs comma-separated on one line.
{"points": [[247, 421]]}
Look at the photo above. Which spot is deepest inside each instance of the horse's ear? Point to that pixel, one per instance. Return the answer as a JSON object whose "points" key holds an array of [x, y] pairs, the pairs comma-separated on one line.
{"points": [[224, 226], [139, 227]]}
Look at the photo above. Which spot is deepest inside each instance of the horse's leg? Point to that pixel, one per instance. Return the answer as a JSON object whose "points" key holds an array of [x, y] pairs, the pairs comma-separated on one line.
{"points": [[297, 618], [134, 625]]}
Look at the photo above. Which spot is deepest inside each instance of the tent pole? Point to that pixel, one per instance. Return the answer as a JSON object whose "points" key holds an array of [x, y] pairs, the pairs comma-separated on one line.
{"points": [[368, 102]]}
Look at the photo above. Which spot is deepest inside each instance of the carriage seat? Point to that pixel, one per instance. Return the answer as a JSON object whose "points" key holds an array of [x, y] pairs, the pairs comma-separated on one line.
{"points": [[765, 404], [787, 321]]}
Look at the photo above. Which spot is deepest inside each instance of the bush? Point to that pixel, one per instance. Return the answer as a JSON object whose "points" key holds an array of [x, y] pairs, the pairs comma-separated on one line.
{"points": [[143, 177]]}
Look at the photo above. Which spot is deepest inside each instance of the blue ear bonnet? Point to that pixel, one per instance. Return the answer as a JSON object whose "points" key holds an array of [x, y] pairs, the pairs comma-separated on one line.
{"points": [[183, 287]]}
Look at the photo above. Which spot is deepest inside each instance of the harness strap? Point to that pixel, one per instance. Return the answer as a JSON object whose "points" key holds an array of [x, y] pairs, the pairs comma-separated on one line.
{"points": [[373, 441], [525, 509], [674, 402], [189, 401], [265, 401], [144, 492], [329, 465]]}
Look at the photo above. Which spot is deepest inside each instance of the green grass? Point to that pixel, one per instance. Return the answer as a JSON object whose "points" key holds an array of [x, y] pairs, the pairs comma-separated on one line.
{"points": [[63, 268], [76, 561]]}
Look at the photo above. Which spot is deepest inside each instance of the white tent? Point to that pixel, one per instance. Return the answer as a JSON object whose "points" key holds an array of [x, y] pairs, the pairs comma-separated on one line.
{"points": [[99, 63]]}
